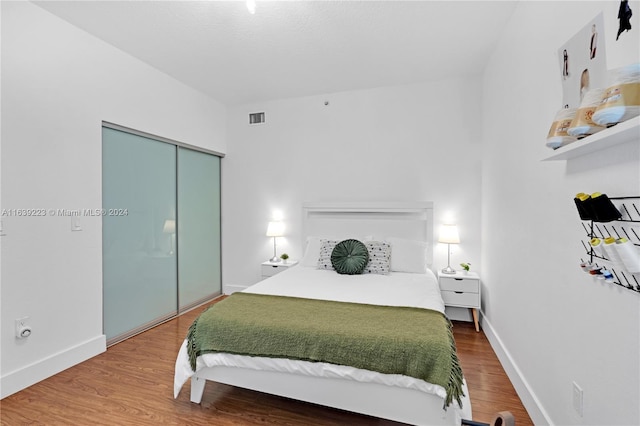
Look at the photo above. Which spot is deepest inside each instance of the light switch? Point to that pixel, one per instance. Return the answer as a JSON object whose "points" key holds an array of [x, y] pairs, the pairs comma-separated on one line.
{"points": [[75, 223]]}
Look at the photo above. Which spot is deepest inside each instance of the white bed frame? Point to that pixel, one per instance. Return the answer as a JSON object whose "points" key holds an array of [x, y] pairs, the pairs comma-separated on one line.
{"points": [[412, 221], [402, 220]]}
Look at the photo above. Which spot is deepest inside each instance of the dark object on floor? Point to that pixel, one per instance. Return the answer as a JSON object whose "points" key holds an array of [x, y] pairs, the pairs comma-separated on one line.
{"points": [[503, 418]]}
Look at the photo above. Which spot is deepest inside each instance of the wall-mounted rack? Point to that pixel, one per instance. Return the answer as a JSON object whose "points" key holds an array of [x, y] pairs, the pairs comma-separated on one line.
{"points": [[627, 226]]}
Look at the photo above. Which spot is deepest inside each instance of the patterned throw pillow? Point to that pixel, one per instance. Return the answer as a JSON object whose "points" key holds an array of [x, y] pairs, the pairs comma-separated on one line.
{"points": [[379, 258], [326, 247], [349, 257]]}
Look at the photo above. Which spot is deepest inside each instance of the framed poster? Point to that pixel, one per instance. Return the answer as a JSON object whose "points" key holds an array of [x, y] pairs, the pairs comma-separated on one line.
{"points": [[583, 63]]}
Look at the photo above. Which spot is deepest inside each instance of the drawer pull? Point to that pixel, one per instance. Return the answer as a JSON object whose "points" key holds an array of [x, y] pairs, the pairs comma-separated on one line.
{"points": [[458, 279], [459, 292], [274, 266]]}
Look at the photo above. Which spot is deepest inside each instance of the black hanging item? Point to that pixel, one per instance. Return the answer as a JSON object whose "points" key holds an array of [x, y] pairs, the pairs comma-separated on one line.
{"points": [[583, 203], [624, 17], [603, 209]]}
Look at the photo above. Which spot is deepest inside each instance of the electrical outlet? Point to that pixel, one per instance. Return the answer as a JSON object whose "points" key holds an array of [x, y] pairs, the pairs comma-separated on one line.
{"points": [[23, 329], [578, 402]]}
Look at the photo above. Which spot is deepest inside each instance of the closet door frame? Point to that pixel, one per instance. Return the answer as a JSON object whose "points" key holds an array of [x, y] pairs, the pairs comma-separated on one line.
{"points": [[113, 126], [177, 144]]}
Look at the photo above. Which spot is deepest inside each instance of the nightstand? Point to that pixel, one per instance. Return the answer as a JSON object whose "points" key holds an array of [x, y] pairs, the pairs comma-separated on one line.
{"points": [[269, 269], [461, 290]]}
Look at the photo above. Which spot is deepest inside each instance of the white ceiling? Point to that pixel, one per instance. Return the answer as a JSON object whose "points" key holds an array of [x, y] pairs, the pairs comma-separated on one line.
{"points": [[296, 48]]}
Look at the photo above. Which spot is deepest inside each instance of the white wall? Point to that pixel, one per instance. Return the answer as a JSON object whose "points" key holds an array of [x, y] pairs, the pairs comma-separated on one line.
{"points": [[58, 84], [445, 141], [549, 321], [407, 143]]}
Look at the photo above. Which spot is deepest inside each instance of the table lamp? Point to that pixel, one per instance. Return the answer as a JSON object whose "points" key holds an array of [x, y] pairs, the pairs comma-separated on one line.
{"points": [[449, 235], [275, 230]]}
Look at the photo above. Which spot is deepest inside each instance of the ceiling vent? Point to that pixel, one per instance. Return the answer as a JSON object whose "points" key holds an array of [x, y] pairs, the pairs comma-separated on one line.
{"points": [[256, 117]]}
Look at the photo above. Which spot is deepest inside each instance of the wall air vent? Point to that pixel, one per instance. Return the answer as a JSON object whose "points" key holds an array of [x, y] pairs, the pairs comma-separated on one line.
{"points": [[256, 117]]}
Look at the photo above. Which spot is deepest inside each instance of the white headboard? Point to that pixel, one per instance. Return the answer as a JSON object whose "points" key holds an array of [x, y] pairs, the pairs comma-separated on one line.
{"points": [[410, 220]]}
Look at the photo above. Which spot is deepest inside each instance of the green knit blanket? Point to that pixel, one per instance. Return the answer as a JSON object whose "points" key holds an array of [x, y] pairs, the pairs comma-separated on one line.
{"points": [[391, 340]]}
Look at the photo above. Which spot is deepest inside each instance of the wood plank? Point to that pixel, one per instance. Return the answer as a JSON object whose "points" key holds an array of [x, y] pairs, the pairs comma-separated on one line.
{"points": [[132, 384]]}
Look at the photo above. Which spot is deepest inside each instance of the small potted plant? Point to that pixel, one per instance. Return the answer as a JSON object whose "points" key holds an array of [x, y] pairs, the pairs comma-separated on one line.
{"points": [[465, 267], [284, 257]]}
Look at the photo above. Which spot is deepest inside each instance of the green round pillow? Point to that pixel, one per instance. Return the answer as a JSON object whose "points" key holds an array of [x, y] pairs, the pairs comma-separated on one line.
{"points": [[349, 257]]}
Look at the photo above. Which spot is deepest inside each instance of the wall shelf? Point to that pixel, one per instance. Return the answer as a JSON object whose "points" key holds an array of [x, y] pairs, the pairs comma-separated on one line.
{"points": [[625, 132]]}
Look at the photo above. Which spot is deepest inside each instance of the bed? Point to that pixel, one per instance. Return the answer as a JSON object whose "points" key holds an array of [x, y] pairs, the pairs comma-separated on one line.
{"points": [[408, 289]]}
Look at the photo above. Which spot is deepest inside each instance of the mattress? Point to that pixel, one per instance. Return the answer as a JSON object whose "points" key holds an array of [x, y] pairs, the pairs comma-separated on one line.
{"points": [[395, 289]]}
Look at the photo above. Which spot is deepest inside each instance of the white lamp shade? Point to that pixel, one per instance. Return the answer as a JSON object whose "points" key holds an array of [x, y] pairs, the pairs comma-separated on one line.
{"points": [[169, 226], [449, 234], [275, 229]]}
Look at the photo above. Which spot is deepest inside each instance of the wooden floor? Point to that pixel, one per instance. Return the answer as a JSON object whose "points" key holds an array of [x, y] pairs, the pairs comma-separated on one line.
{"points": [[132, 384]]}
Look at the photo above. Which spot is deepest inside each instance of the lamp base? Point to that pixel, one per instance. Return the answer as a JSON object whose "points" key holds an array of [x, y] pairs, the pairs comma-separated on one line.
{"points": [[448, 270], [274, 259]]}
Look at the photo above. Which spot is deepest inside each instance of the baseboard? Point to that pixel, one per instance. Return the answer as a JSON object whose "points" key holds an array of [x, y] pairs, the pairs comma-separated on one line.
{"points": [[529, 399], [31, 374]]}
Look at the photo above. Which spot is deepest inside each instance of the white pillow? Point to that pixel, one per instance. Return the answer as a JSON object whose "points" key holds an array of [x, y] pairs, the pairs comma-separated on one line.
{"points": [[408, 255], [311, 252]]}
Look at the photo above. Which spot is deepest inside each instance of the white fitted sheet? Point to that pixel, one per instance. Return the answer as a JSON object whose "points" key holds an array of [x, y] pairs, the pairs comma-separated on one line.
{"points": [[395, 289]]}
